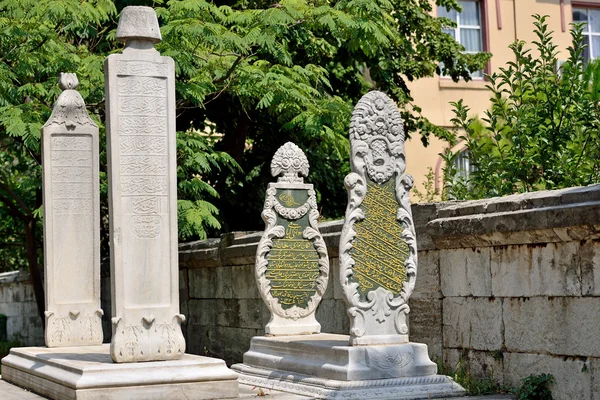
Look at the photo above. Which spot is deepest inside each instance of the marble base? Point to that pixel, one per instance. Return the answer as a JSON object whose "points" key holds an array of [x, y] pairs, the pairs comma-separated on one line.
{"points": [[88, 373], [325, 366]]}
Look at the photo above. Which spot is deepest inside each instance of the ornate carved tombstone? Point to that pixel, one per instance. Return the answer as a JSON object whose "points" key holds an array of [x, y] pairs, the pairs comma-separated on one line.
{"points": [[140, 109], [71, 222], [378, 250], [292, 267], [378, 263]]}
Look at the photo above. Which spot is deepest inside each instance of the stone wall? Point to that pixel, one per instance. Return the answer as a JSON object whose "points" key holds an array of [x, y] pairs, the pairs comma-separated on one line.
{"points": [[519, 286], [17, 303], [510, 286]]}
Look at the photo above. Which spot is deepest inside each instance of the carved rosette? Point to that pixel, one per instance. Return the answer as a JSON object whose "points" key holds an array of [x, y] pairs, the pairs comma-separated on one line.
{"points": [[289, 164], [292, 265], [378, 250]]}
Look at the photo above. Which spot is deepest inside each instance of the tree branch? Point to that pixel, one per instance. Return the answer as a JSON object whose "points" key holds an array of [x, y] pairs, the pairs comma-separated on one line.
{"points": [[231, 69], [22, 210]]}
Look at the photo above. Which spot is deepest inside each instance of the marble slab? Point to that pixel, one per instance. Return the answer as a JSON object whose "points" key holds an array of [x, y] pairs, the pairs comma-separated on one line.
{"points": [[142, 189], [88, 373], [71, 192]]}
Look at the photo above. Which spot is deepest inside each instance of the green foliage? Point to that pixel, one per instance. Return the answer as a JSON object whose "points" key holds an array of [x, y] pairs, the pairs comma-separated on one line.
{"points": [[38, 39], [430, 193], [259, 73], [535, 387], [195, 157], [269, 72], [542, 129], [475, 386]]}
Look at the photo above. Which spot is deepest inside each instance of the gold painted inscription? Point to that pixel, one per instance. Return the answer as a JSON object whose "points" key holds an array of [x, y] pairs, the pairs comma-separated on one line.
{"points": [[293, 268], [378, 250]]}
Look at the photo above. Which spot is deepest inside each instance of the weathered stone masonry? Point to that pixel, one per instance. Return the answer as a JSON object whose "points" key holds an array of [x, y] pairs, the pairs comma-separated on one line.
{"points": [[512, 284]]}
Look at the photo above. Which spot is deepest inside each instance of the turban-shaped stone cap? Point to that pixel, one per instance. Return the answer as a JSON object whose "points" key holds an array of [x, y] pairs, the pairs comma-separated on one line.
{"points": [[137, 22]]}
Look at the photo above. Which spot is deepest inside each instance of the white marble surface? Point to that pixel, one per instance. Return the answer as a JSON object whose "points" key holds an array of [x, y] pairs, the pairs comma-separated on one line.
{"points": [[284, 255], [378, 247], [12, 392], [330, 356], [327, 366], [140, 109], [71, 222], [90, 373]]}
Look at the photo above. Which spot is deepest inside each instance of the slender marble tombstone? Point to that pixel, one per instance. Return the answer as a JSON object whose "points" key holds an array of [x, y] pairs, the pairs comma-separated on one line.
{"points": [[378, 264], [71, 222], [292, 267], [378, 248], [140, 109]]}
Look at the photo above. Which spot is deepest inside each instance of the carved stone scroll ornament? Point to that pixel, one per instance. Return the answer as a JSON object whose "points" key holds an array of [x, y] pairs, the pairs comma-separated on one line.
{"points": [[292, 266], [378, 250]]}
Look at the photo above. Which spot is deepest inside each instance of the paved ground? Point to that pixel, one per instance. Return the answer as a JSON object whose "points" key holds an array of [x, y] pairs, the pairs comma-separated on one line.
{"points": [[12, 392]]}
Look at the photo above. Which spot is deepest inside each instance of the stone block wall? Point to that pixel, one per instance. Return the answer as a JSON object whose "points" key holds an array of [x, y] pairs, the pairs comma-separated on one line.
{"points": [[518, 287], [17, 302], [509, 286]]}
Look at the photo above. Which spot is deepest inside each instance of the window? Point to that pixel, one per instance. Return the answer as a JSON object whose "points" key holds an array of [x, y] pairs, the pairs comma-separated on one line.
{"points": [[463, 166], [468, 31], [591, 31]]}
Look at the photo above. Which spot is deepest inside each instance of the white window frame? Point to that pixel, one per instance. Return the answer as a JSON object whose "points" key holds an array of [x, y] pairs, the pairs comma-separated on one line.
{"points": [[462, 164], [478, 27], [588, 31]]}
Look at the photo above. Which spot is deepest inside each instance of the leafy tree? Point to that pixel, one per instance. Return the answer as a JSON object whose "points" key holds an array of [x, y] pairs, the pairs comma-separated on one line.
{"points": [[543, 126], [254, 73], [267, 72], [39, 39]]}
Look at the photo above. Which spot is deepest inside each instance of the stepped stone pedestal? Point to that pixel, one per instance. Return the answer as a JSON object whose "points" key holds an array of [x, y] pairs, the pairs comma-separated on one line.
{"points": [[88, 373], [326, 366]]}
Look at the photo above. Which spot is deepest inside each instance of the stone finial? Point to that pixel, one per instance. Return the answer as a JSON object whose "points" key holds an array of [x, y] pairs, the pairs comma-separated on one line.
{"points": [[69, 109], [138, 23], [68, 81], [289, 164]]}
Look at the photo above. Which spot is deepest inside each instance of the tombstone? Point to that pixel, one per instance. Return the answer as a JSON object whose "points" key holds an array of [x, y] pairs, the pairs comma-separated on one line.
{"points": [[378, 265], [71, 222], [378, 247], [292, 267], [146, 325], [140, 109]]}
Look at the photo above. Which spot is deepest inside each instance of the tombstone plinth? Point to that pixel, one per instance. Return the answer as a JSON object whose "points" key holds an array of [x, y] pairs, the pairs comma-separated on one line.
{"points": [[378, 267]]}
